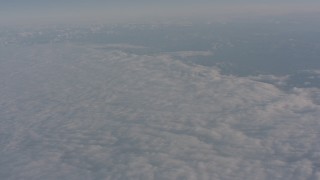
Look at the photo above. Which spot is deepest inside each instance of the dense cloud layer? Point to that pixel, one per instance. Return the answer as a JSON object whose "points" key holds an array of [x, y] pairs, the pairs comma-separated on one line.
{"points": [[75, 112]]}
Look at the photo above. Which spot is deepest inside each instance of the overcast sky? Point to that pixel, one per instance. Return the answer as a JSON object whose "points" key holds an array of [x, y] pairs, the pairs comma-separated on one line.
{"points": [[19, 11]]}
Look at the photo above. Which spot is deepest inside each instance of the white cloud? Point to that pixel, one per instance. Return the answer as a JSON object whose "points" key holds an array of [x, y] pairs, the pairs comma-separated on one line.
{"points": [[186, 54], [88, 113]]}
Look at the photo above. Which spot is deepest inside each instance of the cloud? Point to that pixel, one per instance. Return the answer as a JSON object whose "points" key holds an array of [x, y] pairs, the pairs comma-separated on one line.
{"points": [[187, 54], [80, 112]]}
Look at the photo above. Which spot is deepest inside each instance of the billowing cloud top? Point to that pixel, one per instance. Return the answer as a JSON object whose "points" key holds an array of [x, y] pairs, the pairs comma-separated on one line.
{"points": [[86, 112]]}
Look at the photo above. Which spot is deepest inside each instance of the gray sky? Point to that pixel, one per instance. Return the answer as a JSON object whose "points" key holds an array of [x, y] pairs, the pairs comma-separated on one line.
{"points": [[39, 11]]}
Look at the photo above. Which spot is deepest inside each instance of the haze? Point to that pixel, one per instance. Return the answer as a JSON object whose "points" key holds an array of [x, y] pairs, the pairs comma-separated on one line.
{"points": [[98, 11]]}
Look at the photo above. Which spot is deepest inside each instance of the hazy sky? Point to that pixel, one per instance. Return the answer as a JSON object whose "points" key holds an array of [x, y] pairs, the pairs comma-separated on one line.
{"points": [[19, 11]]}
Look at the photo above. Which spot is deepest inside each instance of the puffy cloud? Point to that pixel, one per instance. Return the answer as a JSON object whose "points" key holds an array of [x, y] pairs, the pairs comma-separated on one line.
{"points": [[80, 112], [186, 54]]}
